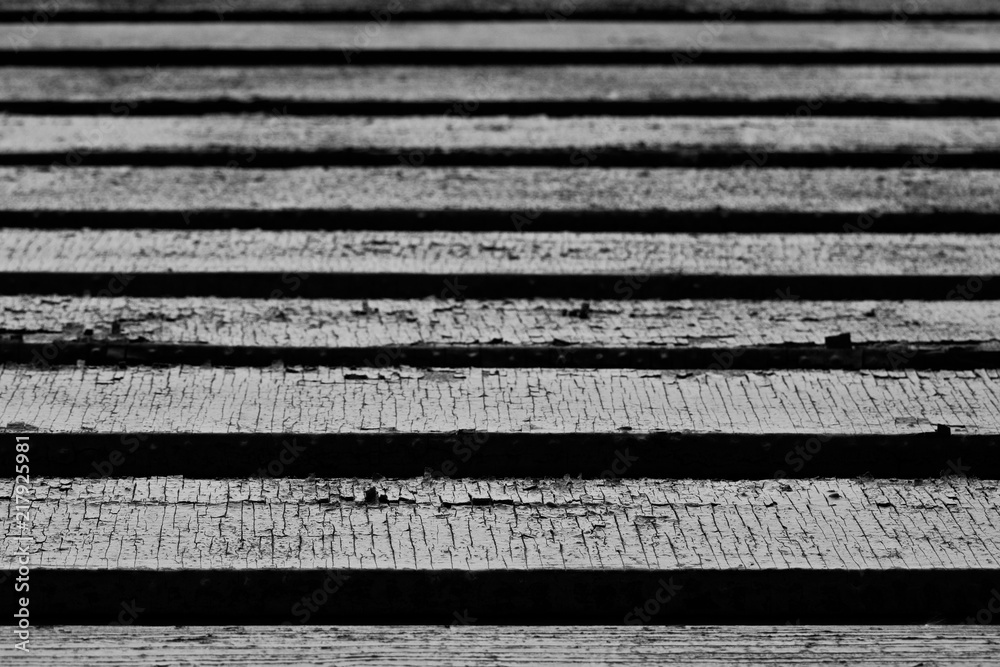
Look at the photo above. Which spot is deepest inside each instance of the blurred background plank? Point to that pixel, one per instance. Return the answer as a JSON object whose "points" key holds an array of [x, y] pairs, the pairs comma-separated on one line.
{"points": [[470, 42], [555, 10], [606, 141], [512, 200], [445, 90]]}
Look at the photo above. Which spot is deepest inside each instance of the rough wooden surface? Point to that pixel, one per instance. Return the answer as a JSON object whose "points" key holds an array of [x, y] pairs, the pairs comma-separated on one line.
{"points": [[663, 38], [867, 646], [543, 551], [349, 264], [554, 9], [185, 399], [605, 141], [673, 525], [391, 323], [512, 191], [561, 333], [496, 253], [478, 43], [526, 545], [576, 90]]}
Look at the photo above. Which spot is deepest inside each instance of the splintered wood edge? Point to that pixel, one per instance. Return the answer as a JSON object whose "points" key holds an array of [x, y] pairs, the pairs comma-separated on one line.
{"points": [[393, 323], [564, 333]]}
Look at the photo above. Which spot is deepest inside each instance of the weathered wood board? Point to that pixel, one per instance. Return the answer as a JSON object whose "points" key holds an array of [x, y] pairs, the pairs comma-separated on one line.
{"points": [[169, 523], [559, 142], [474, 42], [519, 195], [394, 323], [654, 334], [185, 399], [555, 10], [454, 253], [483, 645], [350, 264], [528, 538], [575, 90], [263, 419], [502, 199]]}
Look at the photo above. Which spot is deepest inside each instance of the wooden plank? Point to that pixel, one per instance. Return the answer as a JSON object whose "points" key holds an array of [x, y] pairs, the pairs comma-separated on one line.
{"points": [[487, 265], [477, 525], [382, 420], [555, 10], [503, 199], [336, 400], [405, 646], [471, 42], [401, 547], [799, 90], [442, 140], [391, 323], [560, 333], [569, 36]]}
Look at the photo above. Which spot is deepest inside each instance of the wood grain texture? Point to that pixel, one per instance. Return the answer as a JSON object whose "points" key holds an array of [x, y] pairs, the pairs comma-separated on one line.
{"points": [[560, 333], [554, 9], [185, 399], [573, 90], [866, 646], [168, 523], [390, 323], [497, 253], [569, 36], [489, 265], [400, 42], [530, 192], [543, 550], [603, 140]]}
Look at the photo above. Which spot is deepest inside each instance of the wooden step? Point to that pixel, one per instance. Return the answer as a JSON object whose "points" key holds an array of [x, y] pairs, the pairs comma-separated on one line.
{"points": [[332, 311], [236, 551], [503, 199], [561, 333], [472, 42], [464, 642], [555, 10], [299, 421], [318, 400], [351, 264], [558, 142], [574, 90]]}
